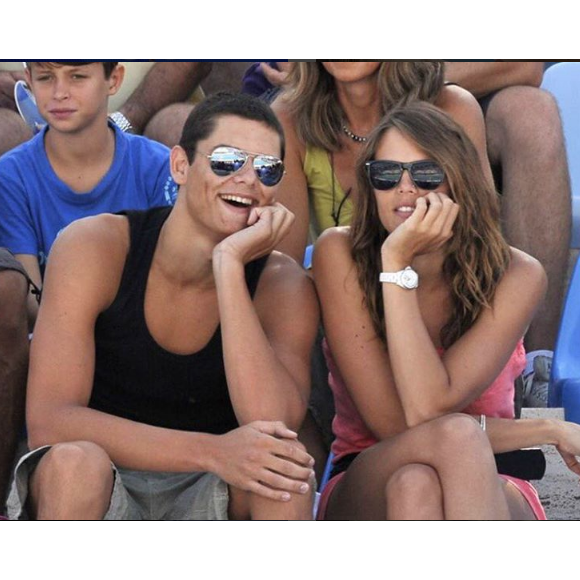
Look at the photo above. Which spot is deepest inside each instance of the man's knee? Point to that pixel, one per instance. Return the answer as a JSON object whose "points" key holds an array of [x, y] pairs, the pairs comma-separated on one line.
{"points": [[245, 505], [72, 481], [300, 506], [75, 463], [527, 118], [167, 125]]}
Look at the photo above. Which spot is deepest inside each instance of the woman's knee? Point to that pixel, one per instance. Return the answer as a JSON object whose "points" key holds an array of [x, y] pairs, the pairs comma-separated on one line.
{"points": [[458, 434], [413, 488]]}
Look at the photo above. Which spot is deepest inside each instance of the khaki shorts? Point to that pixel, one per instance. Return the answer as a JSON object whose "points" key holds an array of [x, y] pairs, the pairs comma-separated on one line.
{"points": [[140, 495], [9, 262]]}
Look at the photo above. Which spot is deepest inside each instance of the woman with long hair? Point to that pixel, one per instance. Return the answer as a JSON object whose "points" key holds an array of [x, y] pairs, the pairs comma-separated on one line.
{"points": [[424, 307], [328, 109]]}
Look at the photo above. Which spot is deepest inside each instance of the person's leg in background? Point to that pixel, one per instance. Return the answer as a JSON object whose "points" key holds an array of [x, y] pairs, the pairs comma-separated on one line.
{"points": [[167, 124], [526, 143], [226, 76], [13, 369], [525, 139], [13, 130]]}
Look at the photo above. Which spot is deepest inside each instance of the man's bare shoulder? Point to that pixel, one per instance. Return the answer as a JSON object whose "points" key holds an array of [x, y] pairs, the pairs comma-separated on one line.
{"points": [[285, 270], [105, 233], [88, 257], [285, 280], [286, 299]]}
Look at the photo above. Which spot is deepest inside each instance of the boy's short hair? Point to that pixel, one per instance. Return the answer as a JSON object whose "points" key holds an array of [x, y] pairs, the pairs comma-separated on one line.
{"points": [[202, 120], [108, 65]]}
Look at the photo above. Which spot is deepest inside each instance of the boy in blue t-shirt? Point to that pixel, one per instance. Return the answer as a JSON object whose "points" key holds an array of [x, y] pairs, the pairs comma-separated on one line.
{"points": [[80, 165]]}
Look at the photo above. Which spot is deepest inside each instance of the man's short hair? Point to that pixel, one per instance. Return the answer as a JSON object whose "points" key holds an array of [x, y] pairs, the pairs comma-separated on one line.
{"points": [[202, 120], [108, 65]]}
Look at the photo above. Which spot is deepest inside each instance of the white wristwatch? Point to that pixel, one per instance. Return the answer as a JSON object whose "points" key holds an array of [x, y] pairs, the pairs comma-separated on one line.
{"points": [[407, 278]]}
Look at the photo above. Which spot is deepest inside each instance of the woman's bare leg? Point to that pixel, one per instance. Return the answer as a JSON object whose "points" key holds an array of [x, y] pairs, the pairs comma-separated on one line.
{"points": [[519, 507], [414, 493], [453, 446]]}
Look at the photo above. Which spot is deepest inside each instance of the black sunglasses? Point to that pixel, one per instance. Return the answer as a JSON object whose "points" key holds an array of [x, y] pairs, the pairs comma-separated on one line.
{"points": [[227, 160], [387, 174]]}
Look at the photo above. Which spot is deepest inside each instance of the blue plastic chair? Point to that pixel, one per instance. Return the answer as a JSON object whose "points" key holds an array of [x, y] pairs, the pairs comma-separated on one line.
{"points": [[322, 484], [565, 381], [563, 81], [26, 105], [307, 262], [327, 470]]}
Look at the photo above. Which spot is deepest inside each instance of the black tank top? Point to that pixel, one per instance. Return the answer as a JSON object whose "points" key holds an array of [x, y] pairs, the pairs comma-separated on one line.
{"points": [[137, 379]]}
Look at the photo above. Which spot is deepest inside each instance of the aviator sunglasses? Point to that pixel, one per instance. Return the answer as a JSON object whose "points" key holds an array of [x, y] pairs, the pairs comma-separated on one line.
{"points": [[387, 174], [226, 161]]}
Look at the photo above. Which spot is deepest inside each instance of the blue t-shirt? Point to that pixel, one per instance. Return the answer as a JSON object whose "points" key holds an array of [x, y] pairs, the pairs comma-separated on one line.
{"points": [[35, 205]]}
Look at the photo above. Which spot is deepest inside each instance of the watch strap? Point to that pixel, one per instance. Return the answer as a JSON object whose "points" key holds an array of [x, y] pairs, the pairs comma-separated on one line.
{"points": [[121, 121]]}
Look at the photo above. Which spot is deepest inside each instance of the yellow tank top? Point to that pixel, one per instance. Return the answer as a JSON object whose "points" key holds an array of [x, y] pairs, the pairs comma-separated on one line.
{"points": [[318, 171]]}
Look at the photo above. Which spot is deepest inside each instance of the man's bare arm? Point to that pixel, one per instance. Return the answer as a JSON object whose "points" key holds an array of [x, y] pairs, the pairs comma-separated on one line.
{"points": [[482, 78], [267, 341], [166, 83], [81, 281]]}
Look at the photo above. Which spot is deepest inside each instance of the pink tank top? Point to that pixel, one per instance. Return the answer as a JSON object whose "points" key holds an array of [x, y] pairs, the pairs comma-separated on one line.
{"points": [[353, 436]]}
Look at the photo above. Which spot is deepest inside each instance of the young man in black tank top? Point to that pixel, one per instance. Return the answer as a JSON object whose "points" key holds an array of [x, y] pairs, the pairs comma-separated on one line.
{"points": [[175, 286]]}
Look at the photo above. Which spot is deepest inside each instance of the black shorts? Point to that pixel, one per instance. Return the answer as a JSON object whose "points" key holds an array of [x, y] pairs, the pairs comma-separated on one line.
{"points": [[485, 101], [528, 464]]}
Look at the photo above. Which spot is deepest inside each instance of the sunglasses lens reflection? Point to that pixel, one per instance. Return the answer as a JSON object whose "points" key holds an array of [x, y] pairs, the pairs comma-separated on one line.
{"points": [[269, 170], [427, 175], [386, 175], [225, 161]]}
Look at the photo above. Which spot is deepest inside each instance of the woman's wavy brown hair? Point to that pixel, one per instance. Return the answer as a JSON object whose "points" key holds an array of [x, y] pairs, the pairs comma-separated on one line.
{"points": [[313, 102], [477, 254]]}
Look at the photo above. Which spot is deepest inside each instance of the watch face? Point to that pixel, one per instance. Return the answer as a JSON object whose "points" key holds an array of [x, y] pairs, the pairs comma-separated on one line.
{"points": [[409, 279]]}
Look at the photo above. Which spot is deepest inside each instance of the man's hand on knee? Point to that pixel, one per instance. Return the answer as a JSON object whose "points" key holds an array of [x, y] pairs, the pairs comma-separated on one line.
{"points": [[264, 458]]}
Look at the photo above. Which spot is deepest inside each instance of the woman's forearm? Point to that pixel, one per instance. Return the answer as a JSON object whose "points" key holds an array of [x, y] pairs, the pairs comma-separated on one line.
{"points": [[422, 380], [512, 434]]}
